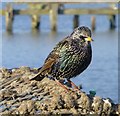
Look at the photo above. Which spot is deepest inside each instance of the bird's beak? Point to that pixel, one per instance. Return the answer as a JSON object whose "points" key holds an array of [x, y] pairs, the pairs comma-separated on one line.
{"points": [[89, 39]]}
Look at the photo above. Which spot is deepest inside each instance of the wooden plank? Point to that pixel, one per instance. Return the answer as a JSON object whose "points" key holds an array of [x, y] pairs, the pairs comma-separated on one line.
{"points": [[100, 11], [27, 12], [31, 12]]}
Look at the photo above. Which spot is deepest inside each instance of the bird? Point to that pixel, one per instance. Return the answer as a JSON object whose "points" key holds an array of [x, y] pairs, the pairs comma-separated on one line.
{"points": [[69, 58]]}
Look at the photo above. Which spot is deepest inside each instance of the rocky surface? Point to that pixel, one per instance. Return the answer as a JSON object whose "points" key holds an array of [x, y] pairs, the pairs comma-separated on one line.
{"points": [[19, 95]]}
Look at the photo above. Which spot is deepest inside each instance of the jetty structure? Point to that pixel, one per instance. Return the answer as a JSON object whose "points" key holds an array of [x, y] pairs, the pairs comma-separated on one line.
{"points": [[35, 10]]}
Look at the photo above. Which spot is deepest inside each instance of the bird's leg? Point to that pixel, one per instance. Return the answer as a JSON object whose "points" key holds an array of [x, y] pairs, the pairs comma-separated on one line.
{"points": [[75, 86], [59, 83]]}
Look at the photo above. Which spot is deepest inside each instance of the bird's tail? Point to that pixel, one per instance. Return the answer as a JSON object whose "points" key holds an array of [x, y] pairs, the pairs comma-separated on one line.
{"points": [[37, 77]]}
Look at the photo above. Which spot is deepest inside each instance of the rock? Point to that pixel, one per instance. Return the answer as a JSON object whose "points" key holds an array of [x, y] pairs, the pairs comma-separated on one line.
{"points": [[7, 94], [118, 109], [84, 103], [56, 102], [24, 89], [27, 107], [69, 101], [6, 72], [6, 112], [31, 106], [1, 75], [33, 84], [24, 69], [97, 105], [23, 108], [14, 84], [65, 112], [107, 105], [43, 106], [19, 95], [74, 111]]}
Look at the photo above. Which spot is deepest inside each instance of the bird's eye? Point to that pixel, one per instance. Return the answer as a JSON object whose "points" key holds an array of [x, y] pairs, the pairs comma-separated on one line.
{"points": [[82, 37]]}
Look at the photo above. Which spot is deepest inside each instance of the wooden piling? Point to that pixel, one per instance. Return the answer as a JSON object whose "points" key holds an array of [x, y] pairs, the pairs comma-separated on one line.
{"points": [[9, 17], [53, 16], [76, 21], [35, 16], [35, 22], [93, 23], [112, 18]]}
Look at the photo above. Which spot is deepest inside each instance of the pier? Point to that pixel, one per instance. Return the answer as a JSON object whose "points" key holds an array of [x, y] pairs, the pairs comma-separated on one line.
{"points": [[35, 10]]}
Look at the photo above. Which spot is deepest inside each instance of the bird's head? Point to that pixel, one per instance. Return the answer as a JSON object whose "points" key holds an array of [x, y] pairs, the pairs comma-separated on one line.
{"points": [[83, 33]]}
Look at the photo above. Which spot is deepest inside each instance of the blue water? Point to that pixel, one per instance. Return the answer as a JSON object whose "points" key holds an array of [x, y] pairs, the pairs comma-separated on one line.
{"points": [[27, 48]]}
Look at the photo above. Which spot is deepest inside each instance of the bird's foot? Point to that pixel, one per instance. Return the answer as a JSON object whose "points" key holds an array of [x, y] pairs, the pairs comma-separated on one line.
{"points": [[63, 86], [75, 87]]}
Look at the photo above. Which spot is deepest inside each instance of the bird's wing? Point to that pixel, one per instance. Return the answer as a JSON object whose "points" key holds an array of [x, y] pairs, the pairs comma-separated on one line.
{"points": [[68, 54], [63, 55], [50, 61], [53, 57], [45, 69]]}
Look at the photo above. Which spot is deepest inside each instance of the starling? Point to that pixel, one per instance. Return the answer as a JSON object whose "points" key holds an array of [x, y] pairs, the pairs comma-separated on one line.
{"points": [[69, 58]]}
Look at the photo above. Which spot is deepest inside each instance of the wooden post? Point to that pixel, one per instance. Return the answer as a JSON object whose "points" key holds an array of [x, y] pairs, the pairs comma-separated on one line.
{"points": [[53, 16], [93, 23], [112, 18], [35, 17], [35, 22], [76, 21], [9, 17]]}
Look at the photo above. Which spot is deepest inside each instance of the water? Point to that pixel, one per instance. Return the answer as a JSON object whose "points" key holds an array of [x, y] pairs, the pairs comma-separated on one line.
{"points": [[27, 48]]}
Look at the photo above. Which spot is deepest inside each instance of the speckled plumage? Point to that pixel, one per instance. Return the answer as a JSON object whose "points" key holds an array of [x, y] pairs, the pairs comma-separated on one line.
{"points": [[69, 58]]}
